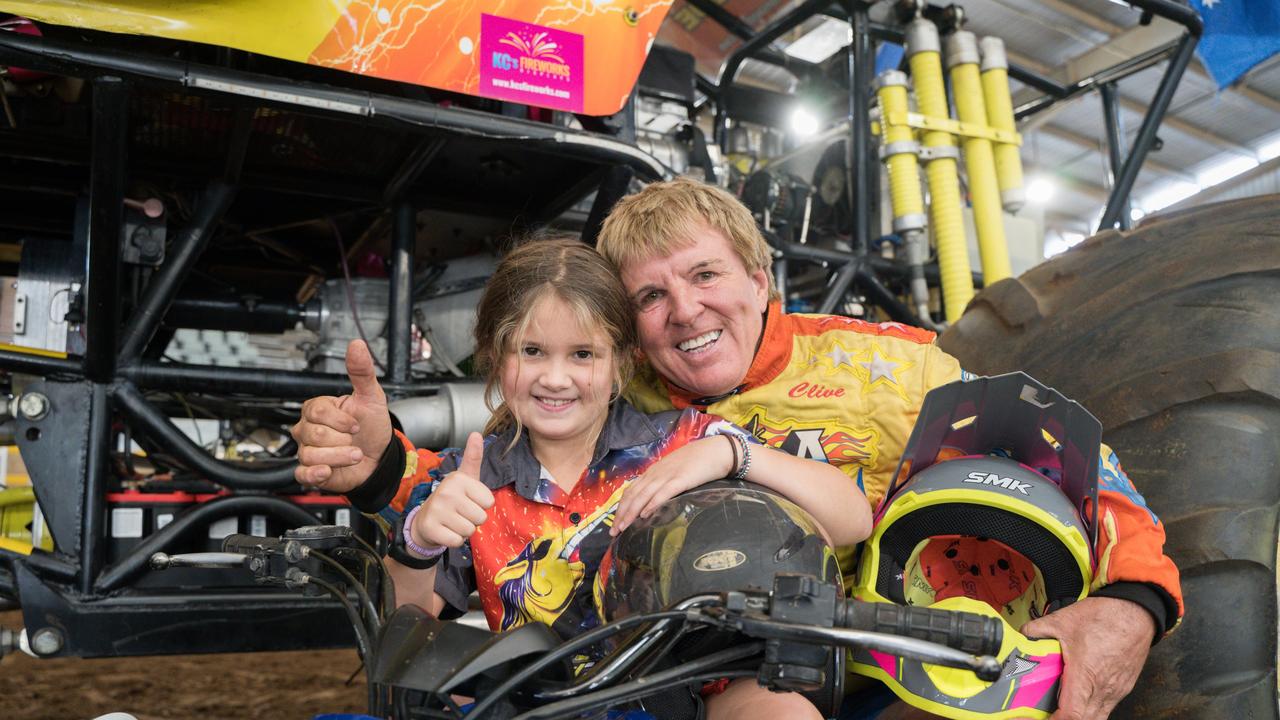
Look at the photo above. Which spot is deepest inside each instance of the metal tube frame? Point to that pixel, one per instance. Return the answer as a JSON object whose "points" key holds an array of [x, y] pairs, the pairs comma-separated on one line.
{"points": [[860, 176], [184, 253], [404, 236], [839, 285], [106, 208], [771, 32], [98, 464], [1116, 72], [739, 28], [1119, 196], [179, 377], [882, 266], [614, 185], [259, 316], [107, 170], [1115, 143]]}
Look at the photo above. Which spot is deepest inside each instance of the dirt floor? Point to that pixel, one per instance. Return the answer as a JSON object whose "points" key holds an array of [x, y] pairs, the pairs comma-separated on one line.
{"points": [[241, 686]]}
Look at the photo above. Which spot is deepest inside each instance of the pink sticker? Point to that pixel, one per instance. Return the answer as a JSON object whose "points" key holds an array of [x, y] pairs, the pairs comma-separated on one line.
{"points": [[1035, 686], [530, 64], [888, 663]]}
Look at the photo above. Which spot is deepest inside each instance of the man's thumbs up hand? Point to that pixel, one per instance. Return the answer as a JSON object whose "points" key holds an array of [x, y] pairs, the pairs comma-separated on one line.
{"points": [[457, 507], [340, 439]]}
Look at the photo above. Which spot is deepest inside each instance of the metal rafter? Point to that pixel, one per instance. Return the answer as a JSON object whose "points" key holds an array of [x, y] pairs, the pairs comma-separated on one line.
{"points": [[1135, 106], [1217, 191], [1091, 190], [1084, 17], [1196, 70], [1084, 141]]}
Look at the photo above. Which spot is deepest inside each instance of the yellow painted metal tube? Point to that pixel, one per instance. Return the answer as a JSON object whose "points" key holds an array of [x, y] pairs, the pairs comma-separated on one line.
{"points": [[925, 59], [995, 88], [979, 158]]}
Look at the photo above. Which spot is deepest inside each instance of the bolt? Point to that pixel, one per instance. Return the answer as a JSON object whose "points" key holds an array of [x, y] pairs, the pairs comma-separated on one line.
{"points": [[33, 405], [46, 641]]}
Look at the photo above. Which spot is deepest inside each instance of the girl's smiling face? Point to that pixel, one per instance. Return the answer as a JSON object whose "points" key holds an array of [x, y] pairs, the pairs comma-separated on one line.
{"points": [[558, 376]]}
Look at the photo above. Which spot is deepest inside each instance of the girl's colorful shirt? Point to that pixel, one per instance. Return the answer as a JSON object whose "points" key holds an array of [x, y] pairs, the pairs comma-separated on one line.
{"points": [[535, 559]]}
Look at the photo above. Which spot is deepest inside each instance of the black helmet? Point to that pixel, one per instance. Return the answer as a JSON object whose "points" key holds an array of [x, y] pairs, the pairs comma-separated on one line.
{"points": [[718, 537]]}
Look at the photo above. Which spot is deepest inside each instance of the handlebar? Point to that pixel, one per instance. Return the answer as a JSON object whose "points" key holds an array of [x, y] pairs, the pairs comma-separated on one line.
{"points": [[799, 610], [967, 632]]}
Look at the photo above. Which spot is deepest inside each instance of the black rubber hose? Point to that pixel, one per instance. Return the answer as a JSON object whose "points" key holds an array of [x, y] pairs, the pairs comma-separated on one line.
{"points": [[158, 427]]}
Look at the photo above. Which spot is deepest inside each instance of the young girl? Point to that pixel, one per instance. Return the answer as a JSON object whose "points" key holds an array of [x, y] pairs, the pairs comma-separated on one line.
{"points": [[525, 514]]}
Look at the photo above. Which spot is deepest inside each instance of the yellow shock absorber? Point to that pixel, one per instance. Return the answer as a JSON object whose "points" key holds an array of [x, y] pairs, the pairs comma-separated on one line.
{"points": [[984, 190], [925, 60], [900, 152], [995, 87]]}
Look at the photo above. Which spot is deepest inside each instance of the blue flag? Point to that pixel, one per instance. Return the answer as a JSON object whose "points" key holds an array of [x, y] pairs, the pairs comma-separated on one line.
{"points": [[1238, 34], [888, 57]]}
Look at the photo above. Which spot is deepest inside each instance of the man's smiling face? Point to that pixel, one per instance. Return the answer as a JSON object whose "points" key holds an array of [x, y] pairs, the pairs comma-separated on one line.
{"points": [[699, 312]]}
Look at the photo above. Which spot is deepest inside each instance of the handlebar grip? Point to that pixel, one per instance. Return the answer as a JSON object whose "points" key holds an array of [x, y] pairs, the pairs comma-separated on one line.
{"points": [[968, 632], [250, 544]]}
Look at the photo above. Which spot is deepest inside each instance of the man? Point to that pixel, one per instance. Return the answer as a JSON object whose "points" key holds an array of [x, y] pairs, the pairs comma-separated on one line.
{"points": [[697, 272]]}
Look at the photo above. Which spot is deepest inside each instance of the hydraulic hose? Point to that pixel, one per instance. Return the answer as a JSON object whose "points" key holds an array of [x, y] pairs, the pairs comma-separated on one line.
{"points": [[925, 55], [995, 88], [984, 190]]}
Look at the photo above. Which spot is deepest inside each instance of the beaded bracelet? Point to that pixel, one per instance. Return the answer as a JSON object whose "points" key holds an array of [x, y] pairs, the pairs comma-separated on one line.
{"points": [[426, 552], [733, 447], [745, 467]]}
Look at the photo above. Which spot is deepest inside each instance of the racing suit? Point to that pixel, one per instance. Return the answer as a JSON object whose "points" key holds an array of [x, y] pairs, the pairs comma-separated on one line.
{"points": [[847, 392]]}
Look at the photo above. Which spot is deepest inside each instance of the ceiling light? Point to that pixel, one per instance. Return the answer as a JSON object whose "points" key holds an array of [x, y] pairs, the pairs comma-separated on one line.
{"points": [[1225, 170], [804, 123], [1061, 243], [1269, 150], [821, 42], [1040, 191], [1169, 194]]}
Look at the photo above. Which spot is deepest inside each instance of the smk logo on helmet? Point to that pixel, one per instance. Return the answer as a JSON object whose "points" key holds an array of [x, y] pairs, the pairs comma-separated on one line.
{"points": [[993, 511]]}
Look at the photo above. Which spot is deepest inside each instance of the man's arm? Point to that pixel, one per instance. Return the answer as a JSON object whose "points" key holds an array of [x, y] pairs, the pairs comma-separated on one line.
{"points": [[1132, 565], [1136, 599]]}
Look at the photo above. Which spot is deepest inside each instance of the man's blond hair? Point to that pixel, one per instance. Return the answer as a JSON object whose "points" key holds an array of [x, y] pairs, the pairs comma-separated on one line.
{"points": [[664, 217]]}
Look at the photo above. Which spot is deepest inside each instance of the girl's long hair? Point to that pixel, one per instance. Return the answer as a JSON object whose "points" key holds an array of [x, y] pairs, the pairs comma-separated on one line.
{"points": [[570, 270]]}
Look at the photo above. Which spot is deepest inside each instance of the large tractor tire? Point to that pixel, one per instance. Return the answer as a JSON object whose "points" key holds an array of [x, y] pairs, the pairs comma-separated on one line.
{"points": [[1170, 335]]}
